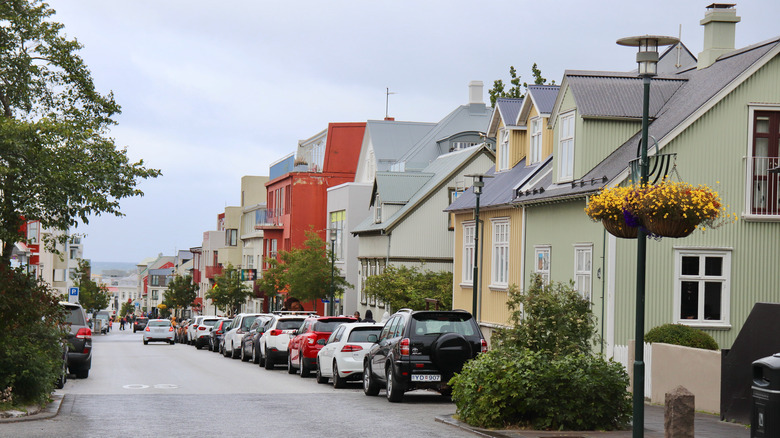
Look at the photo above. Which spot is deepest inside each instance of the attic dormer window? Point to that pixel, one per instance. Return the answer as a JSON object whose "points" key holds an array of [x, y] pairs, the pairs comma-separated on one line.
{"points": [[503, 151], [566, 148], [536, 141], [377, 210]]}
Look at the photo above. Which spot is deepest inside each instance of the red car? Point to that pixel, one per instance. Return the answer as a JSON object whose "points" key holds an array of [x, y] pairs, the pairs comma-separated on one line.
{"points": [[309, 339]]}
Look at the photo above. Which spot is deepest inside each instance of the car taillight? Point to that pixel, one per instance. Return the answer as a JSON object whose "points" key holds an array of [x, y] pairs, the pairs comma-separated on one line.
{"points": [[170, 329], [203, 327], [147, 329], [404, 347], [484, 346], [84, 333], [347, 348], [275, 332]]}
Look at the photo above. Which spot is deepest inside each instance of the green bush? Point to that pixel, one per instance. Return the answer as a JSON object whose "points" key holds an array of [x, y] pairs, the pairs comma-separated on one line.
{"points": [[529, 389], [30, 334], [679, 334], [541, 372]]}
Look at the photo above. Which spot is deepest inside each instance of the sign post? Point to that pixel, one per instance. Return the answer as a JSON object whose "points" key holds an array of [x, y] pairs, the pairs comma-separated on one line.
{"points": [[73, 295]]}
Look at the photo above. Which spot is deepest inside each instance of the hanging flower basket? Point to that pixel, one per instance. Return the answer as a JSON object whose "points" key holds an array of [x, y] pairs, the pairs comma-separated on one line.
{"points": [[666, 209], [619, 228], [669, 227]]}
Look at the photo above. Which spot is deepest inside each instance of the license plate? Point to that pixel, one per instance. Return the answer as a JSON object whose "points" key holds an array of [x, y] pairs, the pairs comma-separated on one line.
{"points": [[426, 377]]}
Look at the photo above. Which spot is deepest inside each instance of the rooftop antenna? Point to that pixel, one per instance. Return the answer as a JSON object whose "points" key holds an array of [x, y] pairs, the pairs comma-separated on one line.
{"points": [[679, 47], [387, 102]]}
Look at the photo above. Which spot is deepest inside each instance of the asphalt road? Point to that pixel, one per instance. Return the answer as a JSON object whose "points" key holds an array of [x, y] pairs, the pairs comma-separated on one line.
{"points": [[137, 390]]}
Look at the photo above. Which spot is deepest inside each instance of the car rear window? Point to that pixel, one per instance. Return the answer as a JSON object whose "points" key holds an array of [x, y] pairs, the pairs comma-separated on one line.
{"points": [[247, 322], [288, 324], [74, 316], [328, 326], [360, 334], [141, 319], [165, 323], [437, 323], [210, 322]]}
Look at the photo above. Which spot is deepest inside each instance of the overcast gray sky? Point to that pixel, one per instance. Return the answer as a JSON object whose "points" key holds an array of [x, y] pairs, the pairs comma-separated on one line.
{"points": [[213, 90]]}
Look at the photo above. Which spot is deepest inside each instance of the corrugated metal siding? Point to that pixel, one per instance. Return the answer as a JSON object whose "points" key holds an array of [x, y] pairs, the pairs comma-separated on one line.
{"points": [[711, 152], [493, 302], [596, 139], [547, 138], [372, 246], [518, 145]]}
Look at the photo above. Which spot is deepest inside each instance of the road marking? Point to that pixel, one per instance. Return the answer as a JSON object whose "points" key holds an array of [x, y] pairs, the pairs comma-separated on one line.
{"points": [[135, 386], [166, 386]]}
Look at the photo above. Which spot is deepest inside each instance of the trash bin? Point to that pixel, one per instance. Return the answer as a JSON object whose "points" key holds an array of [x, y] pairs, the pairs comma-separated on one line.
{"points": [[765, 412]]}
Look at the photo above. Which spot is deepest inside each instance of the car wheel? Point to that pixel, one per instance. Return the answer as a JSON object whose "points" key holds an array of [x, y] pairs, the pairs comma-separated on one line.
{"points": [[290, 369], [198, 345], [395, 389], [320, 377], [224, 351], [244, 356], [172, 341], [255, 356], [269, 362], [146, 342], [82, 373], [370, 386], [338, 381], [260, 358], [233, 353], [63, 377], [302, 366], [450, 352]]}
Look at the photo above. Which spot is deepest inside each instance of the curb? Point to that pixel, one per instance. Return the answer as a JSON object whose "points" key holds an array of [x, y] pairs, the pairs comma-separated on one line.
{"points": [[49, 411]]}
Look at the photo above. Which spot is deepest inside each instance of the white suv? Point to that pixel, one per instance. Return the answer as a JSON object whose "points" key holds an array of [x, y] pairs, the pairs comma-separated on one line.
{"points": [[278, 332], [191, 329], [203, 331], [239, 328]]}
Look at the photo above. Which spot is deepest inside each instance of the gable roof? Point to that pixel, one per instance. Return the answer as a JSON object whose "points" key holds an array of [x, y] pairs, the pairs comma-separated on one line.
{"points": [[506, 111], [441, 170], [701, 90], [614, 95], [391, 139], [398, 187], [540, 96]]}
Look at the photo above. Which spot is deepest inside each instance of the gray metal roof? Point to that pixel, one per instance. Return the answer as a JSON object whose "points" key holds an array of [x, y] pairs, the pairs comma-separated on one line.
{"points": [[398, 187], [543, 97], [701, 86], [509, 108], [391, 139], [443, 169], [472, 117], [600, 94]]}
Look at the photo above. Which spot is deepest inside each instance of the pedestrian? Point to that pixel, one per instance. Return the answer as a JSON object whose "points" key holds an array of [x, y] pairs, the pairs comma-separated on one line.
{"points": [[357, 315], [122, 323], [369, 316]]}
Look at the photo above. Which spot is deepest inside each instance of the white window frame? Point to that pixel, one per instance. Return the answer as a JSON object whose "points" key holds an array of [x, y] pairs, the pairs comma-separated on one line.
{"points": [[542, 269], [377, 210], [749, 189], [499, 264], [566, 147], [535, 154], [724, 279], [583, 270], [467, 276], [503, 150]]}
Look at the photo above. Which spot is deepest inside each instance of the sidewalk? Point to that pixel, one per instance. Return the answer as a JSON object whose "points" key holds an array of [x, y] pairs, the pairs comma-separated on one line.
{"points": [[705, 426], [34, 412]]}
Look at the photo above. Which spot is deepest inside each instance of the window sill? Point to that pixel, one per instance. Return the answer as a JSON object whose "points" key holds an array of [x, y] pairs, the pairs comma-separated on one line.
{"points": [[499, 287], [705, 325], [467, 285], [760, 218]]}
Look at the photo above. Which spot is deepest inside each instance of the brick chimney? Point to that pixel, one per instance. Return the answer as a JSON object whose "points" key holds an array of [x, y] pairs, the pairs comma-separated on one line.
{"points": [[719, 23]]}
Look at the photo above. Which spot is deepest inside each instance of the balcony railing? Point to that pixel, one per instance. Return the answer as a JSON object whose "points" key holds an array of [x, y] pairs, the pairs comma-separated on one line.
{"points": [[213, 271], [764, 186]]}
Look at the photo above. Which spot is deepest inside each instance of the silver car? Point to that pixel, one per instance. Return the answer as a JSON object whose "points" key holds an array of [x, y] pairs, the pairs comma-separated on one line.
{"points": [[159, 330]]}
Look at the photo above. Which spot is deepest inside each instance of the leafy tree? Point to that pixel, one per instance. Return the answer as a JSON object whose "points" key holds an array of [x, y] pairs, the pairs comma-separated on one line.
{"points": [[127, 308], [229, 292], [92, 296], [58, 164], [31, 325], [403, 286], [515, 91], [181, 292], [304, 273]]}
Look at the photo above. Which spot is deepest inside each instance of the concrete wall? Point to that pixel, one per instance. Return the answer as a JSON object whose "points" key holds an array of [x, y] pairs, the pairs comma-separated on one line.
{"points": [[696, 369]]}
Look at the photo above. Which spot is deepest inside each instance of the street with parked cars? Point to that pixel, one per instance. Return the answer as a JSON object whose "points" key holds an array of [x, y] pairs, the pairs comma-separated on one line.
{"points": [[177, 390]]}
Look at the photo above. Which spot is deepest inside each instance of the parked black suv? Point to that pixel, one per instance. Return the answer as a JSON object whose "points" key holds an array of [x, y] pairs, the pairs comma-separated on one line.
{"points": [[79, 340], [140, 323], [421, 349]]}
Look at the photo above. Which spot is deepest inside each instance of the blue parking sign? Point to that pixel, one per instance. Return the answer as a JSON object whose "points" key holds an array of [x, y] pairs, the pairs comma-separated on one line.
{"points": [[74, 291]]}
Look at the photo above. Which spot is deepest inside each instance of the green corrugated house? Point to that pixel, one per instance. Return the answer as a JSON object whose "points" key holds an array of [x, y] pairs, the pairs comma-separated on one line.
{"points": [[721, 117]]}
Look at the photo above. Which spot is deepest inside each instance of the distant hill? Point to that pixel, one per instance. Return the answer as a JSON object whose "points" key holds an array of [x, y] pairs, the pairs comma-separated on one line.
{"points": [[118, 269]]}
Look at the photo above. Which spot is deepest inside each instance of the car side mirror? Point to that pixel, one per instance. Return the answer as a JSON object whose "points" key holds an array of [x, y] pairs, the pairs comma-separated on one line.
{"points": [[372, 338]]}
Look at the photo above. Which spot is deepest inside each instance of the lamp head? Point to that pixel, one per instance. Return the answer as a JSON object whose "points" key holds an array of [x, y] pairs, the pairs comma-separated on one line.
{"points": [[647, 57]]}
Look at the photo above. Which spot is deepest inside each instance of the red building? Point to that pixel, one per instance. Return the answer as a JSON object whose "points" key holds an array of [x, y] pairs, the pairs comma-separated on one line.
{"points": [[297, 191]]}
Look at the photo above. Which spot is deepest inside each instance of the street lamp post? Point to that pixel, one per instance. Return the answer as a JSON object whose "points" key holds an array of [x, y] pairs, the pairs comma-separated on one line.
{"points": [[647, 60], [333, 235], [478, 184]]}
